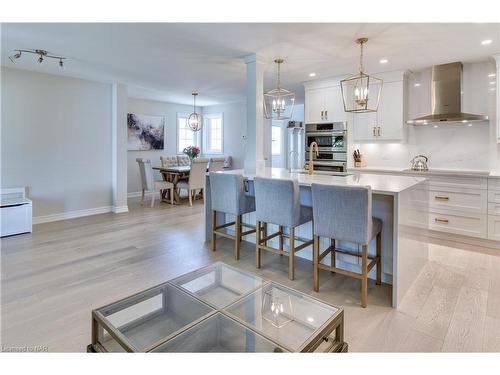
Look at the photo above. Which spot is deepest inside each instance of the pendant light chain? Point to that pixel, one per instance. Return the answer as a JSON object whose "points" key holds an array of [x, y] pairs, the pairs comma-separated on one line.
{"points": [[279, 78], [361, 58]]}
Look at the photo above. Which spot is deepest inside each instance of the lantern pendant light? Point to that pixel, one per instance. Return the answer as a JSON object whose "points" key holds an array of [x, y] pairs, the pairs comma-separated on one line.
{"points": [[279, 102], [195, 120], [361, 92]]}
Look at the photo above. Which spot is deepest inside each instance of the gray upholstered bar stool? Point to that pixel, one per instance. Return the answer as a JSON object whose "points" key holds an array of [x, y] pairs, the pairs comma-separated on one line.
{"points": [[228, 196], [278, 202], [344, 213]]}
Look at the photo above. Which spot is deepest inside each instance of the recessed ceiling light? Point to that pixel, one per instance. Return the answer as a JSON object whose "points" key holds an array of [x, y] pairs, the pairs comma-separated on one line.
{"points": [[464, 121], [469, 125], [384, 61], [486, 42], [312, 74], [435, 126], [416, 85], [492, 82], [492, 75], [310, 319], [492, 89]]}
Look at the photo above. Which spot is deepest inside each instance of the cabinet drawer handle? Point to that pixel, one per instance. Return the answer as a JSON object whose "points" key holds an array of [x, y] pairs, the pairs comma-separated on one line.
{"points": [[326, 115], [374, 131], [378, 131], [322, 115], [444, 221], [441, 198]]}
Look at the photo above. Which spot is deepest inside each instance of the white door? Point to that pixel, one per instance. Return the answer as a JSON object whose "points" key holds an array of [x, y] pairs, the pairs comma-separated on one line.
{"points": [[277, 145], [314, 106], [390, 112], [364, 125], [334, 105]]}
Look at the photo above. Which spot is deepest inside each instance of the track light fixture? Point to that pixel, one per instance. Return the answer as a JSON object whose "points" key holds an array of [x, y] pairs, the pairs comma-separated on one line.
{"points": [[42, 55]]}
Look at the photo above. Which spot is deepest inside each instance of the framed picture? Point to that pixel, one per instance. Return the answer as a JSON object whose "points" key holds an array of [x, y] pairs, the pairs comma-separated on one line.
{"points": [[145, 132]]}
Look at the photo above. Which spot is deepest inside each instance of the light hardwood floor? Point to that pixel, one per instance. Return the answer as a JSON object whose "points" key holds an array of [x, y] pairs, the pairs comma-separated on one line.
{"points": [[52, 279]]}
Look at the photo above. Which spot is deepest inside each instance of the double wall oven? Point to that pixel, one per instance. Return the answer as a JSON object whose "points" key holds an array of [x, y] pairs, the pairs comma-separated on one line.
{"points": [[332, 144]]}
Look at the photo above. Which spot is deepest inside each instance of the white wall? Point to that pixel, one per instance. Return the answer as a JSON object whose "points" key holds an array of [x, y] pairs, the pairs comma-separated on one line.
{"points": [[234, 129], [153, 108], [56, 140]]}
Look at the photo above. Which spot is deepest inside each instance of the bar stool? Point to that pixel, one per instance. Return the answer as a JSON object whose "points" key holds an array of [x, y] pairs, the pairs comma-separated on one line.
{"points": [[344, 213], [228, 196], [278, 202]]}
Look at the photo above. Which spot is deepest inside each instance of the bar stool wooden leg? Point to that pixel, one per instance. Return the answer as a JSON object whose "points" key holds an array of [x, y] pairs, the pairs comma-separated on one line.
{"points": [[214, 224], [258, 235], [333, 259], [281, 229], [315, 263], [237, 239], [364, 276], [264, 232], [379, 255], [291, 255]]}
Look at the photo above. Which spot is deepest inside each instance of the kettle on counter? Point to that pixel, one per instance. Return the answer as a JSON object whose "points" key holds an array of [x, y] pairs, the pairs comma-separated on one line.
{"points": [[419, 163]]}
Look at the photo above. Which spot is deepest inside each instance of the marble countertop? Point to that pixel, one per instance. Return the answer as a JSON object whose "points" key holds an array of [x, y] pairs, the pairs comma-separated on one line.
{"points": [[380, 184], [431, 172]]}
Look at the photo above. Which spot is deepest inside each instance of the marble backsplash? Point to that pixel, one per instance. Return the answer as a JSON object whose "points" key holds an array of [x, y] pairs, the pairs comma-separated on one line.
{"points": [[450, 146]]}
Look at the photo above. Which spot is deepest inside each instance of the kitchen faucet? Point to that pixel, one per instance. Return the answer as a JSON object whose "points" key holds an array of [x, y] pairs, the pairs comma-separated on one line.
{"points": [[310, 166], [290, 162]]}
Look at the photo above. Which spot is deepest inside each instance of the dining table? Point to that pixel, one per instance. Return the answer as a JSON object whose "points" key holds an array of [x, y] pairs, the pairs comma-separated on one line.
{"points": [[173, 174]]}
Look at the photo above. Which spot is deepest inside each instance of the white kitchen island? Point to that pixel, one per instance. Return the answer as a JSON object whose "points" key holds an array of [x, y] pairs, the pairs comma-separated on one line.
{"points": [[399, 201]]}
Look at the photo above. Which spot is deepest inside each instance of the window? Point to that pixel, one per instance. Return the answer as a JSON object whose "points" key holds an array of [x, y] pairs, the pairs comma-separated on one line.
{"points": [[213, 140], [276, 140], [185, 136]]}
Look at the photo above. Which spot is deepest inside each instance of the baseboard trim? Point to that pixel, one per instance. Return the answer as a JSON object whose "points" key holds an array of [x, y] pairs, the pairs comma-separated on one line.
{"points": [[136, 194], [119, 209], [463, 242], [71, 214]]}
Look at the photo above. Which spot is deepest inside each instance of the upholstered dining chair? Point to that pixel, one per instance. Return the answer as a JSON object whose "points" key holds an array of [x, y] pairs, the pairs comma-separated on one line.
{"points": [[196, 178], [216, 164], [150, 184], [183, 160], [168, 161]]}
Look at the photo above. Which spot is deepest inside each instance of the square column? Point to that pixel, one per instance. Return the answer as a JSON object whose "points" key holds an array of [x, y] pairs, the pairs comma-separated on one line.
{"points": [[254, 147], [119, 148]]}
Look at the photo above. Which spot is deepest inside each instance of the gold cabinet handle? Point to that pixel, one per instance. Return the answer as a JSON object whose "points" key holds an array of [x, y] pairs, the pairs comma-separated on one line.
{"points": [[326, 115], [378, 131], [441, 198], [444, 221], [322, 115], [374, 131]]}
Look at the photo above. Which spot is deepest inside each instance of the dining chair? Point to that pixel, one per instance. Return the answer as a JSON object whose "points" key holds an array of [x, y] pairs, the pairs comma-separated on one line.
{"points": [[150, 184], [168, 161], [183, 160], [196, 179], [216, 164]]}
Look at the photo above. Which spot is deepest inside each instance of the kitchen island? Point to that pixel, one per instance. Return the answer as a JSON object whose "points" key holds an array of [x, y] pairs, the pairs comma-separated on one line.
{"points": [[399, 201]]}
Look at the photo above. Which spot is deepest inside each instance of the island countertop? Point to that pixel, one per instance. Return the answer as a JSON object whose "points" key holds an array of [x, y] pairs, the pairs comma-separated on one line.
{"points": [[380, 184]]}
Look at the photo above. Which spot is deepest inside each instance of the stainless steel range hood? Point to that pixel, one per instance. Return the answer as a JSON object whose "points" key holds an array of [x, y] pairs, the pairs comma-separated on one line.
{"points": [[446, 97]]}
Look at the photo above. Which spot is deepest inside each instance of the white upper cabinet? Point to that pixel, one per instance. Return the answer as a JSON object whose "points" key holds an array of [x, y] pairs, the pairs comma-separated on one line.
{"points": [[324, 104]]}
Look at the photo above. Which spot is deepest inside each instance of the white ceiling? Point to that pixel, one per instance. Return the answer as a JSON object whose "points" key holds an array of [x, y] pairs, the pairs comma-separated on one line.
{"points": [[168, 61]]}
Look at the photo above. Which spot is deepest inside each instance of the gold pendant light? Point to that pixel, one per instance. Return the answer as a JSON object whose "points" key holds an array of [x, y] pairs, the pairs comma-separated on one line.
{"points": [[195, 121], [279, 102], [361, 92]]}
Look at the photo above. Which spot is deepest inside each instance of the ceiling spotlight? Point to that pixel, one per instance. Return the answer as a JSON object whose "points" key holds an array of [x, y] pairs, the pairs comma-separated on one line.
{"points": [[41, 53], [469, 125], [384, 61], [492, 89], [492, 75], [492, 82], [416, 85], [486, 42], [312, 74], [435, 126]]}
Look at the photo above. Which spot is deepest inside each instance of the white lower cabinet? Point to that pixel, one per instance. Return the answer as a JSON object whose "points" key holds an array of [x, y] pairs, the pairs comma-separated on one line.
{"points": [[494, 209], [465, 224]]}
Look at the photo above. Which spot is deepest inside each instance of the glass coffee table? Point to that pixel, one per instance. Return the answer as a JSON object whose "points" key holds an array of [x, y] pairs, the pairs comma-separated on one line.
{"points": [[218, 308]]}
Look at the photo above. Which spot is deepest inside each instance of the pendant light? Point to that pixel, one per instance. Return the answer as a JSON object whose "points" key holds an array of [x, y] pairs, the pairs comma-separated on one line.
{"points": [[361, 92], [195, 120], [279, 102]]}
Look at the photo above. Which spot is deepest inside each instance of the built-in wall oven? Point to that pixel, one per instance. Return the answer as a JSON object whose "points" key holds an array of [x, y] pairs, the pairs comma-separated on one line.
{"points": [[332, 145]]}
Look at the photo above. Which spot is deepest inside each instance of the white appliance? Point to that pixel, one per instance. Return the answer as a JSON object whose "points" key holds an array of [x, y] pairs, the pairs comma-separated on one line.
{"points": [[16, 212]]}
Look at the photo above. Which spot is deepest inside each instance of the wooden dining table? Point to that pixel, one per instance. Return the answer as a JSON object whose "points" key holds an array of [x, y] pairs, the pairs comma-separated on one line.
{"points": [[173, 174]]}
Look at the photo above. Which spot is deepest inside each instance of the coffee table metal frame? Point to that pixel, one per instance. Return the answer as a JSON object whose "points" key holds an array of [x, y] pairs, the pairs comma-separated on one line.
{"points": [[335, 324]]}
